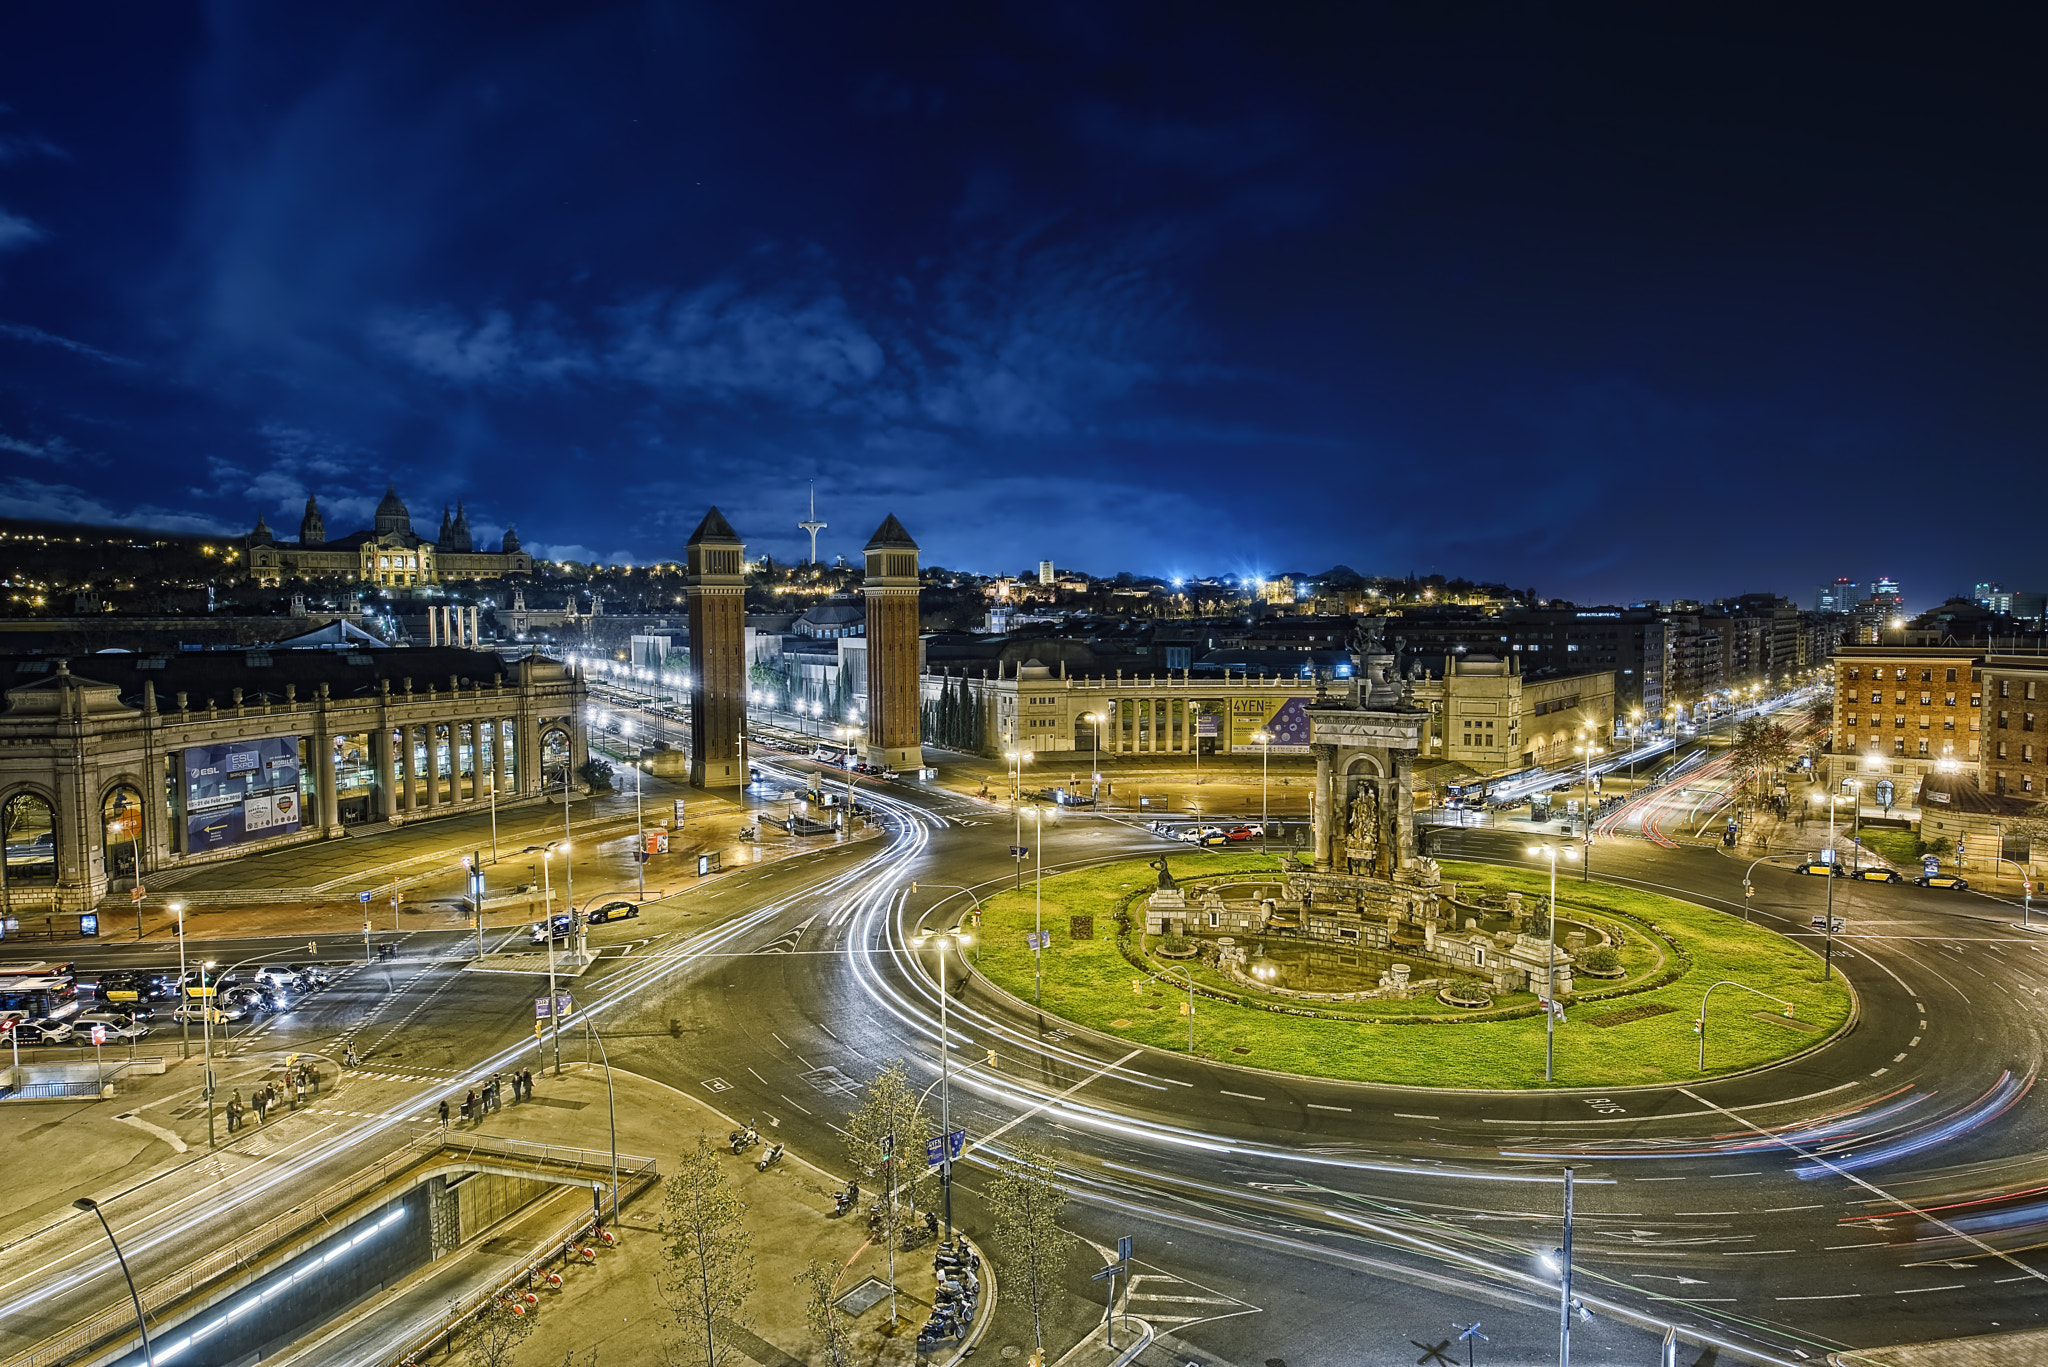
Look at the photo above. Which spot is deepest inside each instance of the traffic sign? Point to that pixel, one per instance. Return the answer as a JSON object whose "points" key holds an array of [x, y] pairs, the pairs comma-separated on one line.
{"points": [[1019, 851], [99, 1035], [363, 897], [137, 893]]}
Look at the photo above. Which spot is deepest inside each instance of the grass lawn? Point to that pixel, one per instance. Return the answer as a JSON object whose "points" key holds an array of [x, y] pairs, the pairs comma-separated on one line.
{"points": [[1900, 847], [1090, 982]]}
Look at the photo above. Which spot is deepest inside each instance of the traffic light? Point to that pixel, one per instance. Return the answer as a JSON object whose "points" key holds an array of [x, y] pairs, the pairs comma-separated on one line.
{"points": [[991, 1058]]}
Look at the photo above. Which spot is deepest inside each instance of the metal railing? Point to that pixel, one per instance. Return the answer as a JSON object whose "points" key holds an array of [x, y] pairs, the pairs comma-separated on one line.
{"points": [[423, 1141]]}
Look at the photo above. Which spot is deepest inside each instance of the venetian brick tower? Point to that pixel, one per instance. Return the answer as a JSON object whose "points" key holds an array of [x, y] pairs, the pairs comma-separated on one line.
{"points": [[894, 732], [714, 563]]}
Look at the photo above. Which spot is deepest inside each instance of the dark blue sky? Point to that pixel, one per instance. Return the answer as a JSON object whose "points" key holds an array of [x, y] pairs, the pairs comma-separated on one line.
{"points": [[1610, 303]]}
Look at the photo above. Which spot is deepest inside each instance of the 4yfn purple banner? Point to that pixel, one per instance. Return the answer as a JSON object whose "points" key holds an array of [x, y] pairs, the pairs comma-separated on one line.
{"points": [[243, 790]]}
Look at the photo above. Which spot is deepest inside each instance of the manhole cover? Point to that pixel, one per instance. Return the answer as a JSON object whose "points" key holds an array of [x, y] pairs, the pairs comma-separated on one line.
{"points": [[864, 1297], [1119, 1024], [1239, 1049], [1011, 1350]]}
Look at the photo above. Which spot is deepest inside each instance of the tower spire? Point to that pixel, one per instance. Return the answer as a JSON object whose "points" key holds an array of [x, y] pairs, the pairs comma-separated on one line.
{"points": [[813, 526]]}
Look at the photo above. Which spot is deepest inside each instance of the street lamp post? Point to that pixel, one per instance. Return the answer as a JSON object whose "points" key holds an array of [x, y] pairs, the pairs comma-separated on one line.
{"points": [[1701, 1066], [184, 1020], [1551, 854], [610, 1105], [1265, 740], [1038, 908], [949, 939], [141, 1321], [547, 927], [1586, 864], [1094, 720]]}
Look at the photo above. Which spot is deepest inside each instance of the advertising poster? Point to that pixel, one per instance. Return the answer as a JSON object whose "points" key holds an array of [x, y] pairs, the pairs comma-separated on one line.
{"points": [[1285, 719], [241, 791]]}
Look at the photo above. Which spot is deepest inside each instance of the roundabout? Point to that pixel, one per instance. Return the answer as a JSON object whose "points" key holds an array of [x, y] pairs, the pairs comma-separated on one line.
{"points": [[1271, 999]]}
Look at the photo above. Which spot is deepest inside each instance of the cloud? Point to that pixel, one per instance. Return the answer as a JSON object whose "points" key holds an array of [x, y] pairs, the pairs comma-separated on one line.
{"points": [[33, 499], [563, 551], [803, 348], [21, 146], [35, 336], [44, 448], [17, 232], [492, 351], [1018, 339]]}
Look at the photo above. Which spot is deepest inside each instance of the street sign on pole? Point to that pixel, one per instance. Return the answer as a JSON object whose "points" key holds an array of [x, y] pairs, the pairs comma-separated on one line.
{"points": [[363, 897], [956, 1144], [1019, 851], [934, 1151], [562, 1006]]}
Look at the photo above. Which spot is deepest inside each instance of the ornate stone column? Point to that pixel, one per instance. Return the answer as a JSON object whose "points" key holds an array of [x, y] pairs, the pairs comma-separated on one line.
{"points": [[1402, 847], [1319, 807], [380, 763], [323, 761], [408, 770]]}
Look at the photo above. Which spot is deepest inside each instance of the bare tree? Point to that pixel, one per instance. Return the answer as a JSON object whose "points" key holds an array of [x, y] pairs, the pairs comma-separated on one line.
{"points": [[710, 1270], [826, 1320], [1026, 1198], [885, 1141], [495, 1334], [1760, 746]]}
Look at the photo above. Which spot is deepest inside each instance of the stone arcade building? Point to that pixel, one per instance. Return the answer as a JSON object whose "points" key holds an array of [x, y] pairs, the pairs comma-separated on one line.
{"points": [[178, 759]]}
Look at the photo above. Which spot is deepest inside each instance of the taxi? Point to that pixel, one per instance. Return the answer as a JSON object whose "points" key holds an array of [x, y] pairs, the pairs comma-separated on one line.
{"points": [[1953, 881]]}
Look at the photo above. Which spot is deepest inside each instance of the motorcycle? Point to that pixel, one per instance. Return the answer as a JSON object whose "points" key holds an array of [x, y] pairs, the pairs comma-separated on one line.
{"points": [[743, 1139], [843, 1201], [774, 1152]]}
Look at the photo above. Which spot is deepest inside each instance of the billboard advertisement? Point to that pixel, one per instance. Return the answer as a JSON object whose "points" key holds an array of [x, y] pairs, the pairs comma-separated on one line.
{"points": [[241, 791], [1284, 719]]}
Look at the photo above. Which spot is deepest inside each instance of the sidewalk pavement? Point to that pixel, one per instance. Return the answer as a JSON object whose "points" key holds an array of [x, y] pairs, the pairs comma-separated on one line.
{"points": [[1228, 788], [425, 859], [614, 1307]]}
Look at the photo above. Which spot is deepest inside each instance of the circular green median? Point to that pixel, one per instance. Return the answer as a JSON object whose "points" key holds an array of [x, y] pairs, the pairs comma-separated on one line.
{"points": [[1643, 963]]}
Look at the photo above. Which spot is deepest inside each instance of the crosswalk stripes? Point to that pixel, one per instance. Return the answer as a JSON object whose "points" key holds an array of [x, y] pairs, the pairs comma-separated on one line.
{"points": [[1166, 1301]]}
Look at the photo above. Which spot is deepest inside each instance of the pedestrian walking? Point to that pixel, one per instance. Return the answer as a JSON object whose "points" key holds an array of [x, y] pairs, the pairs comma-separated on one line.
{"points": [[262, 1109], [527, 1074], [469, 1106], [234, 1112], [444, 1112]]}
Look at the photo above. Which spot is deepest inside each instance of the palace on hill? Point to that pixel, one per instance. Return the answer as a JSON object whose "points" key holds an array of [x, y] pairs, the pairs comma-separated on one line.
{"points": [[388, 553]]}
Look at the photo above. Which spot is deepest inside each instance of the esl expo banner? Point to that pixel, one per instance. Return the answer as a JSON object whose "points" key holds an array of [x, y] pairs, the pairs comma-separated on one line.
{"points": [[241, 791]]}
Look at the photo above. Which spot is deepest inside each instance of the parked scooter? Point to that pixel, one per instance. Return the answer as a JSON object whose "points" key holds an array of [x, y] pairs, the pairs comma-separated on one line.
{"points": [[774, 1152], [843, 1201]]}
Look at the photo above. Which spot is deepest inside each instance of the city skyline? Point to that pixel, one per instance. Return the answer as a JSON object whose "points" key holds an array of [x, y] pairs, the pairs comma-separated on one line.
{"points": [[1661, 309]]}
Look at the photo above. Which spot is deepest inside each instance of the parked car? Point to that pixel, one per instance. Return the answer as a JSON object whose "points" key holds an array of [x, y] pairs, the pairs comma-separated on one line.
{"points": [[1240, 833], [1877, 875], [613, 911], [45, 1031], [116, 1034], [1955, 882]]}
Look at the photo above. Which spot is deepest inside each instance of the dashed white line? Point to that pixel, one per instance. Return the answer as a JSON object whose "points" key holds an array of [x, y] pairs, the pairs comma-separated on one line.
{"points": [[1244, 1095], [1881, 1072], [1838, 1296], [1317, 1106], [1922, 1290], [1779, 1210], [1403, 1115]]}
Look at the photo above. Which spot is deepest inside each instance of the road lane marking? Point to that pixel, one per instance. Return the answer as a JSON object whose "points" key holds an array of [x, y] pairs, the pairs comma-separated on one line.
{"points": [[1246, 1095], [1838, 1296], [1922, 1290], [1403, 1115], [1871, 1187], [1023, 1116], [1779, 1210], [1318, 1106]]}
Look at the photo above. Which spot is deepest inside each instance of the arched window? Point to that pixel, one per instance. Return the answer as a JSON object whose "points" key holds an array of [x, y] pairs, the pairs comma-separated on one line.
{"points": [[30, 826], [120, 830]]}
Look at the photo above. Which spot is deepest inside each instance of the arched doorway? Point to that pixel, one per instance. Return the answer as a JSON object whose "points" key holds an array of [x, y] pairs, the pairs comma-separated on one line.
{"points": [[29, 823], [554, 759], [121, 831]]}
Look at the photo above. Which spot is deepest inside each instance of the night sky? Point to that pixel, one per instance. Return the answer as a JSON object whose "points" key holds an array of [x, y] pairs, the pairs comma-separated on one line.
{"points": [[1613, 303]]}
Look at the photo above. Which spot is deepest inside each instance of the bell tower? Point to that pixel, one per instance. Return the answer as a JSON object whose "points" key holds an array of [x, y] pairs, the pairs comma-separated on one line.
{"points": [[715, 581], [895, 738]]}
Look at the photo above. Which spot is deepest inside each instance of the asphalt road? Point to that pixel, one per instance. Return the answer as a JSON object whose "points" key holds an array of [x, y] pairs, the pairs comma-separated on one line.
{"points": [[1771, 1216]]}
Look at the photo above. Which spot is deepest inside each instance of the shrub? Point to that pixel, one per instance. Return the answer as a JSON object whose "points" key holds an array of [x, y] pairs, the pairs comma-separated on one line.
{"points": [[1601, 959]]}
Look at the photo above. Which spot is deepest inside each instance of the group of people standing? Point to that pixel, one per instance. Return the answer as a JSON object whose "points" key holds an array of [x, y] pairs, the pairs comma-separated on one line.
{"points": [[479, 1102], [299, 1085]]}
